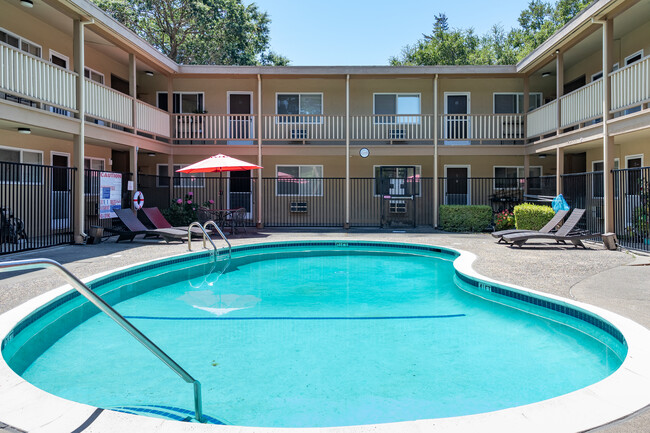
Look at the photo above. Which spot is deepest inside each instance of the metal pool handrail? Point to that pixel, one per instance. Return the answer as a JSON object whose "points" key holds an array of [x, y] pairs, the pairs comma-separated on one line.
{"points": [[80, 287], [205, 236], [205, 226]]}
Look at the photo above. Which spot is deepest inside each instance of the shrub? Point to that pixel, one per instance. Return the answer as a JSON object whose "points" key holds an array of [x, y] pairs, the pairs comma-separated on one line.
{"points": [[181, 212], [465, 218], [504, 220], [532, 216]]}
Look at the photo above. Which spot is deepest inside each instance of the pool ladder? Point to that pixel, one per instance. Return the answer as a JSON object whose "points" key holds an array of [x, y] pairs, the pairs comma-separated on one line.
{"points": [[204, 228], [80, 287]]}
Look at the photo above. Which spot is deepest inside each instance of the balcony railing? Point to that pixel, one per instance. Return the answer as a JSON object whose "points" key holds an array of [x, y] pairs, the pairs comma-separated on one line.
{"points": [[631, 85], [151, 119], [388, 127], [481, 127], [107, 104], [31, 77], [542, 120], [294, 127], [214, 127], [583, 104]]}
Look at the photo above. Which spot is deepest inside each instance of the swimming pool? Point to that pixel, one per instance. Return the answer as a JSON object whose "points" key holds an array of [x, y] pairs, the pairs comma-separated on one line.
{"points": [[317, 334]]}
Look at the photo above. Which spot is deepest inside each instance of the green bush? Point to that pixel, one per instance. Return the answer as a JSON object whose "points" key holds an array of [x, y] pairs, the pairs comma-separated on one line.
{"points": [[532, 216], [181, 212], [465, 218]]}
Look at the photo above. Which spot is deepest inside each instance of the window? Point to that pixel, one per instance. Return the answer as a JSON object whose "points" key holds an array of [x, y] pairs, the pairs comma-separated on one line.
{"points": [[400, 180], [512, 176], [513, 103], [24, 174], [193, 180], [306, 104], [597, 178], [303, 180], [94, 164], [20, 43], [391, 104], [633, 58], [184, 102], [93, 75]]}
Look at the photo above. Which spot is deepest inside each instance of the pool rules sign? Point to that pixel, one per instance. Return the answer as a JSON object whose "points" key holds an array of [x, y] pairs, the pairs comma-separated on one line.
{"points": [[110, 194]]}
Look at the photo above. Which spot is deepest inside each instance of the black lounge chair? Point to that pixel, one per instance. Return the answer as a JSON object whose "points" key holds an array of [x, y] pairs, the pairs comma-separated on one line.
{"points": [[134, 227], [565, 233], [548, 228]]}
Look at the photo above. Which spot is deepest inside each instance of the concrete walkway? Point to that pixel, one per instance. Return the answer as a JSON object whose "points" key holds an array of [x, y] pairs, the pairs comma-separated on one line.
{"points": [[616, 280]]}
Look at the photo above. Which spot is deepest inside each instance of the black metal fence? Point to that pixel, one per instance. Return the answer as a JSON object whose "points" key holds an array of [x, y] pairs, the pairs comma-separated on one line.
{"points": [[585, 191], [36, 206], [632, 207], [99, 196]]}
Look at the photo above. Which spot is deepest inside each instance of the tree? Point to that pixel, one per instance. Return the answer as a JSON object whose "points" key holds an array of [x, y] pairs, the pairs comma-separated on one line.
{"points": [[223, 32]]}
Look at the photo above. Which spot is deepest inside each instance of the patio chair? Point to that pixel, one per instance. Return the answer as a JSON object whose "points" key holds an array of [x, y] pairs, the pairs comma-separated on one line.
{"points": [[160, 222], [134, 227], [565, 233], [237, 219], [548, 228]]}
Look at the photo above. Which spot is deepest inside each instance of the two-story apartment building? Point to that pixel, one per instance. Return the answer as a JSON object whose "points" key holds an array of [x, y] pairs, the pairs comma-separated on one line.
{"points": [[578, 103]]}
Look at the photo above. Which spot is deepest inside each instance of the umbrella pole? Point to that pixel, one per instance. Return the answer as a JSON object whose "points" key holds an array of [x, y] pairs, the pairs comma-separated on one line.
{"points": [[221, 190]]}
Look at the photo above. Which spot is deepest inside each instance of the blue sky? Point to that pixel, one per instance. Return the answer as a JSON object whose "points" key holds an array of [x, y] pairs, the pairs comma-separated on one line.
{"points": [[366, 32]]}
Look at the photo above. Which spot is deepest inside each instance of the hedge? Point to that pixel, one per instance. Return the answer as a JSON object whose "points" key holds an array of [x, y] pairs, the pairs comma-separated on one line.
{"points": [[532, 216], [465, 218]]}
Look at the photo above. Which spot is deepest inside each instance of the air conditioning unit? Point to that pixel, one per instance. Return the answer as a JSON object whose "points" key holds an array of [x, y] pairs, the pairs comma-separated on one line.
{"points": [[298, 207]]}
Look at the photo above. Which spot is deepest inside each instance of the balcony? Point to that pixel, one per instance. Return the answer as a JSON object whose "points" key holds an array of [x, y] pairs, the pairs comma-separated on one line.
{"points": [[32, 81]]}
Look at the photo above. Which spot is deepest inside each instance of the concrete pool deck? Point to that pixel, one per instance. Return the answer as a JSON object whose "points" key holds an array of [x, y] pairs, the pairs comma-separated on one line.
{"points": [[614, 280]]}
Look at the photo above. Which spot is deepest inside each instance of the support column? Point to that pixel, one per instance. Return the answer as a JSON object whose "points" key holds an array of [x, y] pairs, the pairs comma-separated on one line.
{"points": [[170, 173], [79, 139], [347, 152], [559, 164], [608, 141], [436, 198], [133, 166], [526, 172], [133, 93], [525, 108], [559, 86], [260, 222], [170, 108]]}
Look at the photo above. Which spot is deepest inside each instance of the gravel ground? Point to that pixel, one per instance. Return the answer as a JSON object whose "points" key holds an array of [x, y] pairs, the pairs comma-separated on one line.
{"points": [[615, 280]]}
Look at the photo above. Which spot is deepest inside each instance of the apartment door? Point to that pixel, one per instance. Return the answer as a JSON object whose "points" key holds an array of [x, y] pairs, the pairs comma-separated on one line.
{"points": [[240, 193], [61, 192], [240, 108], [457, 186], [398, 188], [457, 124]]}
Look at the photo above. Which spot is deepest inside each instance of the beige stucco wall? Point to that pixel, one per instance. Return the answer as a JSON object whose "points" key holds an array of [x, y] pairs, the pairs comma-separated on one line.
{"points": [[633, 41]]}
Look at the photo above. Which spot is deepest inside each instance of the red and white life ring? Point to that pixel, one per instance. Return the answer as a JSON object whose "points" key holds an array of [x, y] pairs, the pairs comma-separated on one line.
{"points": [[138, 200]]}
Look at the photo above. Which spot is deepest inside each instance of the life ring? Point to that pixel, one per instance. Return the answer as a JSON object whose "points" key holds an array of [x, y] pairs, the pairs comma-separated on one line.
{"points": [[138, 200]]}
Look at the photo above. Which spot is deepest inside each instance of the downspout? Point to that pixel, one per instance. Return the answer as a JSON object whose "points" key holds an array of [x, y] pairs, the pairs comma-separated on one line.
{"points": [[436, 193], [347, 152], [260, 224]]}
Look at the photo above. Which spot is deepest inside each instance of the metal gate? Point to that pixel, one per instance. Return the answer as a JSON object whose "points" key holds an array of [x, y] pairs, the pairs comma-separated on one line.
{"points": [[397, 187]]}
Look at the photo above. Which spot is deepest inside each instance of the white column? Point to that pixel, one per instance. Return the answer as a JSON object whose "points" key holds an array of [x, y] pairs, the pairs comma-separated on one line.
{"points": [[133, 166], [559, 164], [79, 139], [347, 152], [526, 172], [436, 198], [260, 223], [170, 173], [608, 141]]}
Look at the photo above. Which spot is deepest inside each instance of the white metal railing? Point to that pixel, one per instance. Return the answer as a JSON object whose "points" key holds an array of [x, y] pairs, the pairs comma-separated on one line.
{"points": [[390, 127], [214, 127], [542, 119], [151, 119], [107, 104], [478, 127], [24, 74], [631, 85], [582, 104], [303, 127]]}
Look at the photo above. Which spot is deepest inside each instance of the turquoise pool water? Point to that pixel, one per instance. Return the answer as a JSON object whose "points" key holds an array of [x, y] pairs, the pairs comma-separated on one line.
{"points": [[323, 338]]}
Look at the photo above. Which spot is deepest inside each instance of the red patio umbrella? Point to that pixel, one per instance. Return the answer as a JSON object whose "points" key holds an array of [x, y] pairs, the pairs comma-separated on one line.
{"points": [[219, 163]]}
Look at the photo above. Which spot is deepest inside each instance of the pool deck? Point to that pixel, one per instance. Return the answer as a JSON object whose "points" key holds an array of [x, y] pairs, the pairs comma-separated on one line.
{"points": [[614, 280]]}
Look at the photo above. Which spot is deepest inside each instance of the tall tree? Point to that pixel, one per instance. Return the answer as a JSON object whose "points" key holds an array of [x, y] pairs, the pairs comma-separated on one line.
{"points": [[223, 32]]}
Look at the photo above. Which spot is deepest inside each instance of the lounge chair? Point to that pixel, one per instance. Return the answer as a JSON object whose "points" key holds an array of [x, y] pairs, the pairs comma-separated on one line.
{"points": [[548, 228], [160, 222], [134, 227], [565, 233]]}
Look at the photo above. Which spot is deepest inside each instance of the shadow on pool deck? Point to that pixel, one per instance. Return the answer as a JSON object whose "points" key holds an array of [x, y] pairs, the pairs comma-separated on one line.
{"points": [[593, 275]]}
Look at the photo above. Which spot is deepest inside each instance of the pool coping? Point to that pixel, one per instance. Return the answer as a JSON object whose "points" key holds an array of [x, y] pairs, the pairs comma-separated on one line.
{"points": [[26, 407]]}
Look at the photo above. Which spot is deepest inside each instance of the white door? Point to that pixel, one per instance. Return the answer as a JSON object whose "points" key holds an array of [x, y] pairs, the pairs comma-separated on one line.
{"points": [[61, 192]]}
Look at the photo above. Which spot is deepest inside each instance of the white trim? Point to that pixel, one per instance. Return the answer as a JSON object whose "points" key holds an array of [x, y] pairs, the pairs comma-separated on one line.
{"points": [[541, 101], [61, 56], [92, 158], [628, 157], [469, 184], [638, 53], [20, 151], [397, 95], [594, 78], [170, 110], [322, 189], [53, 153], [20, 40], [322, 102], [469, 100], [91, 70], [235, 92]]}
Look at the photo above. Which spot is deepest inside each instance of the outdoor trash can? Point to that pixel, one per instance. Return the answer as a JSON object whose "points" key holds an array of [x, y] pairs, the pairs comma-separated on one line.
{"points": [[95, 234]]}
